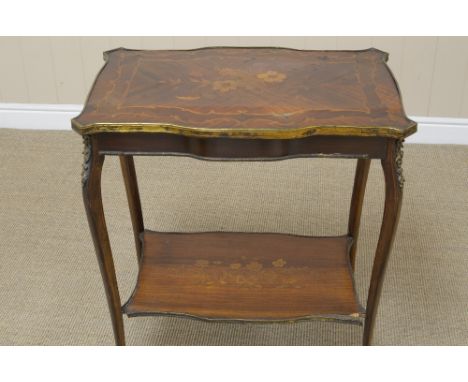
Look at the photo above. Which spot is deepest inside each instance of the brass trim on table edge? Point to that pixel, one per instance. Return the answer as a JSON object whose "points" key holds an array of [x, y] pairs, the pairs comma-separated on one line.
{"points": [[355, 318], [243, 133], [249, 47]]}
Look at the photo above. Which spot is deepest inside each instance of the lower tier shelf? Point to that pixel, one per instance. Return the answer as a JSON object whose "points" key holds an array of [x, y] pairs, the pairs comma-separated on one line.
{"points": [[245, 276]]}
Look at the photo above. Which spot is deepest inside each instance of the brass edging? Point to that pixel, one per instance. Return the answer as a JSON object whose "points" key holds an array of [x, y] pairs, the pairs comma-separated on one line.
{"points": [[203, 132], [354, 318]]}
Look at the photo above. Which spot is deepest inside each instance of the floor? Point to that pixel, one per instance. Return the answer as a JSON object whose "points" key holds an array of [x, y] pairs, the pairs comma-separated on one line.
{"points": [[50, 287]]}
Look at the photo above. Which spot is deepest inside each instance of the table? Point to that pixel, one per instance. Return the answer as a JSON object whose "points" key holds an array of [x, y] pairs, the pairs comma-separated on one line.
{"points": [[244, 104]]}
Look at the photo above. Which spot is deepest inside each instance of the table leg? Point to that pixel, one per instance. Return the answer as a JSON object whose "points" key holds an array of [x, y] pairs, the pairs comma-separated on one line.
{"points": [[360, 180], [91, 181], [393, 196], [133, 196]]}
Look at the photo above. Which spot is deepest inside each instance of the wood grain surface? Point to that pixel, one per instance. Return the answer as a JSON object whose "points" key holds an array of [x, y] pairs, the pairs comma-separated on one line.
{"points": [[245, 276], [245, 93]]}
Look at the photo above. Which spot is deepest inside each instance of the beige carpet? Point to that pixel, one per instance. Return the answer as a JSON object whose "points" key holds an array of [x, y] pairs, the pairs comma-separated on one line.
{"points": [[50, 287]]}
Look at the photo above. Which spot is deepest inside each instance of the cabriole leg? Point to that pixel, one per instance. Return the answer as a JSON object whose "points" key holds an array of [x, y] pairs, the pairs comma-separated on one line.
{"points": [[91, 182], [393, 197]]}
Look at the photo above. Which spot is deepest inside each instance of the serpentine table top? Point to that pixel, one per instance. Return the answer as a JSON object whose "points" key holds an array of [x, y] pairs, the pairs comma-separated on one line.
{"points": [[266, 93]]}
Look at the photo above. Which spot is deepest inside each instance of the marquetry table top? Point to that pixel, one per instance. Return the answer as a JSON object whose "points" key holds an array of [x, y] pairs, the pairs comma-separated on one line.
{"points": [[269, 93]]}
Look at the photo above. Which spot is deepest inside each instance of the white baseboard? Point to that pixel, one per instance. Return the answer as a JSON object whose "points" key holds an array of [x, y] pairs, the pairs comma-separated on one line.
{"points": [[37, 116], [431, 130], [440, 130]]}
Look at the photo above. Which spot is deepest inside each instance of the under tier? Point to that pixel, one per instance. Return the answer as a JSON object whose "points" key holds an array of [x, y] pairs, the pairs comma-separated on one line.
{"points": [[245, 276]]}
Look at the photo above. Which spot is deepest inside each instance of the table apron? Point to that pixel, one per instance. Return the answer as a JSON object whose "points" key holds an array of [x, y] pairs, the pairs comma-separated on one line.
{"points": [[240, 149]]}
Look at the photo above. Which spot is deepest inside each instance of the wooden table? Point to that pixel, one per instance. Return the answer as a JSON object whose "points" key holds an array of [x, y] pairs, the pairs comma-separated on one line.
{"points": [[244, 104]]}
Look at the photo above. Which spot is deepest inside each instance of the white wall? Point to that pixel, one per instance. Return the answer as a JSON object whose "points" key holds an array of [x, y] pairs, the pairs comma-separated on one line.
{"points": [[432, 71], [45, 80]]}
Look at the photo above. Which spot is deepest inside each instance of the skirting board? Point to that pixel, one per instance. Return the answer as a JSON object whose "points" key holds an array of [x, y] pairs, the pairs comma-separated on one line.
{"points": [[431, 130]]}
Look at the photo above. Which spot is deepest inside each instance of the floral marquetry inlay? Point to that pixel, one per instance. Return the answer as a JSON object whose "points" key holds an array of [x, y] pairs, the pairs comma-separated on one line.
{"points": [[246, 92], [251, 274], [224, 86], [271, 76]]}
